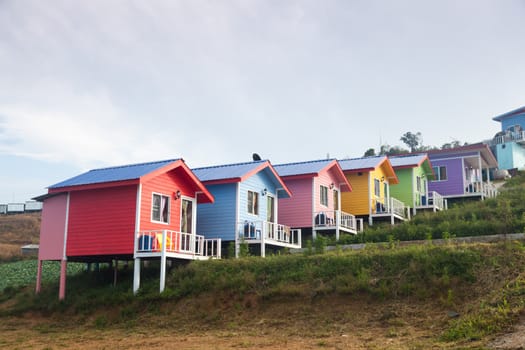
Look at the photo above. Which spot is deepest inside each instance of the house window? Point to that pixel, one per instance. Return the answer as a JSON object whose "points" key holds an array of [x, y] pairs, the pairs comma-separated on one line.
{"points": [[160, 208], [253, 203], [377, 188], [324, 195], [418, 183], [441, 173]]}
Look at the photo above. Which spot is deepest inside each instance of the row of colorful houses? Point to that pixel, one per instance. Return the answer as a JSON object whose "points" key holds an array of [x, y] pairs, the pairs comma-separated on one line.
{"points": [[165, 210]]}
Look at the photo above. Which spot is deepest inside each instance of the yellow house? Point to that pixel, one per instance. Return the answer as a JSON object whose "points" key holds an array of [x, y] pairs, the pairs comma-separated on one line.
{"points": [[371, 178]]}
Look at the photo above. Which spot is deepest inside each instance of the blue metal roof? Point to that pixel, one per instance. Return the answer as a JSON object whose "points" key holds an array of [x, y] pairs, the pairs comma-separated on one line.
{"points": [[499, 118], [361, 163], [301, 168], [226, 171], [118, 173], [408, 160]]}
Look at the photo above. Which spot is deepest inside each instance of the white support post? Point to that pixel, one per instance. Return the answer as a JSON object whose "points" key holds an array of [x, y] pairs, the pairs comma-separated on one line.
{"points": [[391, 210], [136, 275], [163, 262], [337, 223], [263, 244]]}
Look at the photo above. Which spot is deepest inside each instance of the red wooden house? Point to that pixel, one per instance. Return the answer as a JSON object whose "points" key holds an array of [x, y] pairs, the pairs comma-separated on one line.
{"points": [[122, 213]]}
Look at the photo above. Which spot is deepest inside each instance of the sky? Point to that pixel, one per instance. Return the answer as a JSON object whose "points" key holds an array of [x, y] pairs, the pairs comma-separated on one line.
{"points": [[89, 84]]}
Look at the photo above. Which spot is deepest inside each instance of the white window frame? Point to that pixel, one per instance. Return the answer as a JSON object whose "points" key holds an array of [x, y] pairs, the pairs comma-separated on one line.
{"points": [[437, 172], [253, 207], [419, 182], [168, 202], [377, 188], [323, 195]]}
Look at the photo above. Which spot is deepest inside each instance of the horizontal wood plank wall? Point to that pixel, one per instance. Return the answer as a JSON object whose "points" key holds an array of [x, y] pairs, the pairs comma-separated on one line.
{"points": [[255, 183], [356, 202], [325, 178], [166, 184], [454, 183], [217, 220], [297, 210], [405, 189], [102, 222], [51, 246]]}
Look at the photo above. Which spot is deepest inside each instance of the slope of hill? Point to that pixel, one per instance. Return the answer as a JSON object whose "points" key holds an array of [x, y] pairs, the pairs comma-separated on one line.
{"points": [[17, 230]]}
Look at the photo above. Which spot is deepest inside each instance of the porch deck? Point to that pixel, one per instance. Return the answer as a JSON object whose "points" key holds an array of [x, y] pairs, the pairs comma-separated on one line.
{"points": [[174, 244], [393, 209], [164, 244], [336, 220], [265, 232], [434, 201]]}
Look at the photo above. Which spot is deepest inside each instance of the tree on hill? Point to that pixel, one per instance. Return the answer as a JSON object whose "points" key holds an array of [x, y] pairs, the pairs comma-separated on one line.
{"points": [[413, 141], [370, 152]]}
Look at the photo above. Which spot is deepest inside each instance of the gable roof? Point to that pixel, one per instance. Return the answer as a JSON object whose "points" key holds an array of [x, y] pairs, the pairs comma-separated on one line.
{"points": [[499, 118], [487, 156], [362, 164], [128, 174], [237, 172], [412, 161], [113, 174], [312, 168]]}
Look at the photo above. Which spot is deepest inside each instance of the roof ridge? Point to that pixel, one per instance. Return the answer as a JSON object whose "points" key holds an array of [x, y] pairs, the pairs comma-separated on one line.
{"points": [[232, 164], [368, 157], [136, 164], [305, 162]]}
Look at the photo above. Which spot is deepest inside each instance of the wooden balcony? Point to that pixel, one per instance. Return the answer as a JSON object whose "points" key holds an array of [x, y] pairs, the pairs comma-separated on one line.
{"points": [[330, 220], [174, 244], [433, 201], [392, 209], [265, 232]]}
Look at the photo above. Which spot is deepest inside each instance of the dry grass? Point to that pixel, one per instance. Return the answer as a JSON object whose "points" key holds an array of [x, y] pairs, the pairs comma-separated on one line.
{"points": [[16, 231]]}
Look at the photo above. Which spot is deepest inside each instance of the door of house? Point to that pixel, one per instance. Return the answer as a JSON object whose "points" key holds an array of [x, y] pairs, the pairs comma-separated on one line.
{"points": [[187, 222], [270, 216]]}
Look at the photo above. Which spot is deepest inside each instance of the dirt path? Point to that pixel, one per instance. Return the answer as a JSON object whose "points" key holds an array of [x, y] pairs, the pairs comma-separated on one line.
{"points": [[511, 341]]}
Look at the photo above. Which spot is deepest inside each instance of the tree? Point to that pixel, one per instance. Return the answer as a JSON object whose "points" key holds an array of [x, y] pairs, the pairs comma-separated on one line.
{"points": [[370, 152], [412, 140]]}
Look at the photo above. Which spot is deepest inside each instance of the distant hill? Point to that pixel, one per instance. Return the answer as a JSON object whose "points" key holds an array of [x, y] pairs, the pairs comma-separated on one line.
{"points": [[16, 231]]}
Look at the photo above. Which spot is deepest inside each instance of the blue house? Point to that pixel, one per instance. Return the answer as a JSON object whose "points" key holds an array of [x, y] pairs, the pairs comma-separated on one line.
{"points": [[508, 145], [245, 209]]}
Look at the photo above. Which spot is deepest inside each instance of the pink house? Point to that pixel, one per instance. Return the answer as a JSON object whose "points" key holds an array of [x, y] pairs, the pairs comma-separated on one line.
{"points": [[315, 204]]}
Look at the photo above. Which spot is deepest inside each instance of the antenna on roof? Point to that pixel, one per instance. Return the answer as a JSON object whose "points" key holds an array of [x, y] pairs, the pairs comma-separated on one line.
{"points": [[256, 157]]}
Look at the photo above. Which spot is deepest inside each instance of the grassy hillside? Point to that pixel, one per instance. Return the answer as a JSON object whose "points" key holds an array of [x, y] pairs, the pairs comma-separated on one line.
{"points": [[383, 297], [409, 294], [500, 215]]}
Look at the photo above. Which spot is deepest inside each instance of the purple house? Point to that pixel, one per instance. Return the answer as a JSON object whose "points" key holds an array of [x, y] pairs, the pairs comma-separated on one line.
{"points": [[463, 172]]}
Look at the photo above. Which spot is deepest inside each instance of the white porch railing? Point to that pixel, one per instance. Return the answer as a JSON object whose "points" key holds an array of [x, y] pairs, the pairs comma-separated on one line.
{"points": [[437, 200], [178, 243], [393, 206], [509, 137], [333, 219], [270, 232], [486, 189]]}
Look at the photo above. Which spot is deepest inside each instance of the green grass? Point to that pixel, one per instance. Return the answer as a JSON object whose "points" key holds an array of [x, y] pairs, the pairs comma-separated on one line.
{"points": [[22, 273]]}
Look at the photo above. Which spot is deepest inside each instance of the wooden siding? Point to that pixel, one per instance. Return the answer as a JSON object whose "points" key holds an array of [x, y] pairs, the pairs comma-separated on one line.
{"points": [[454, 185], [165, 184], [297, 210], [255, 183], [405, 189], [102, 222], [518, 119], [217, 220], [325, 178], [52, 228], [356, 202]]}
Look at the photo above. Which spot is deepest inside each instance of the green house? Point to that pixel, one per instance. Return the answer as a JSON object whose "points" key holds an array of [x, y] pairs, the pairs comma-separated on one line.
{"points": [[414, 171]]}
